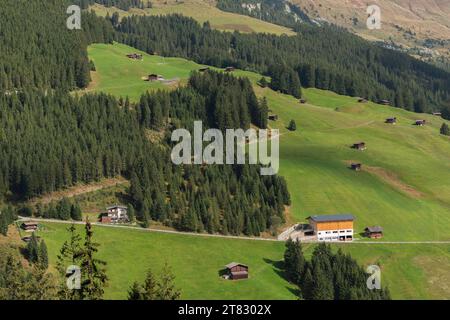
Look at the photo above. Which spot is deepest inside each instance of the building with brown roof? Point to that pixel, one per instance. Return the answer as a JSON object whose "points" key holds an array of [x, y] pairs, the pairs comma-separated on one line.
{"points": [[236, 270], [375, 232]]}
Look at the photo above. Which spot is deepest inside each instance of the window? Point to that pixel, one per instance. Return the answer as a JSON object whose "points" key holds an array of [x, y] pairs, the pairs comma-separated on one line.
{"points": [[335, 232]]}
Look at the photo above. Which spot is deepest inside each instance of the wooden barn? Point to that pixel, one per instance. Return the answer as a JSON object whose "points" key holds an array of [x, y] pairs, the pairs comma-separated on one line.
{"points": [[420, 123], [236, 271], [362, 100], [303, 101], [359, 146], [155, 77], [356, 166], [437, 114], [203, 69], [135, 56], [385, 102], [229, 69], [29, 226], [375, 232], [391, 120], [273, 117]]}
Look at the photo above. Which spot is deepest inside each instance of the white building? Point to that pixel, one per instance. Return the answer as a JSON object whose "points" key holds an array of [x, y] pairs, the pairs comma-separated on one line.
{"points": [[116, 214], [336, 227]]}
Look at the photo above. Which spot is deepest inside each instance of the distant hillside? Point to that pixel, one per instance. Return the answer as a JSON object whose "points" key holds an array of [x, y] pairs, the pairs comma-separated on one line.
{"points": [[419, 27]]}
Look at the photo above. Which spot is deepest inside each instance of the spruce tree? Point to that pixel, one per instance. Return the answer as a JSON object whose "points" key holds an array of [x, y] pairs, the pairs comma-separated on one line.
{"points": [[69, 255], [93, 273], [150, 287], [43, 255], [166, 287], [135, 292], [75, 212], [292, 126], [445, 130]]}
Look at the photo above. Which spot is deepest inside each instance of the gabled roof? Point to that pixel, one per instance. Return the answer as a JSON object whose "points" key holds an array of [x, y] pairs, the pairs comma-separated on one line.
{"points": [[114, 207], [234, 264], [374, 229], [332, 217]]}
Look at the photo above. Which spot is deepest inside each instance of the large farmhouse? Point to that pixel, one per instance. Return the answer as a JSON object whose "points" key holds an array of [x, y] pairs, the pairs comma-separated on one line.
{"points": [[336, 227], [115, 214]]}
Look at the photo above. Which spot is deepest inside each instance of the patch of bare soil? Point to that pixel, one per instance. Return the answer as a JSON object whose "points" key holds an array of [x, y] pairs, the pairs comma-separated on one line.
{"points": [[78, 189], [437, 271], [390, 178]]}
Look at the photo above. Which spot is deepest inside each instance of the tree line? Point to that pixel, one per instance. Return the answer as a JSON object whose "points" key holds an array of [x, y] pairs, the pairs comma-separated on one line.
{"points": [[70, 139], [38, 51], [326, 57], [328, 275]]}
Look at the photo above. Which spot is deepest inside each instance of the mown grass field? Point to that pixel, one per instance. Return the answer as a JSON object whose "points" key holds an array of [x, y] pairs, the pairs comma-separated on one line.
{"points": [[202, 11], [118, 75], [410, 271], [404, 187]]}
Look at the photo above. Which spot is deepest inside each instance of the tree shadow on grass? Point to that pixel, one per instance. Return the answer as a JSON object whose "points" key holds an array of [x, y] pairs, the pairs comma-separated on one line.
{"points": [[278, 267]]}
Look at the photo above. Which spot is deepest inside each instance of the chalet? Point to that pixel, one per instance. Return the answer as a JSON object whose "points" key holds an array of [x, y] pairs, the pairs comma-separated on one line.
{"points": [[359, 146], [303, 101], [273, 117], [356, 166], [155, 77], [336, 227], [115, 214], [391, 120], [362, 100], [437, 114], [237, 271], [29, 226], [385, 102], [229, 69], [135, 56], [375, 232], [203, 69], [420, 123]]}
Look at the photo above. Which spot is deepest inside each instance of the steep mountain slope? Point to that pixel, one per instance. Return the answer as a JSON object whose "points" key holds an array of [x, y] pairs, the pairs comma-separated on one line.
{"points": [[421, 26]]}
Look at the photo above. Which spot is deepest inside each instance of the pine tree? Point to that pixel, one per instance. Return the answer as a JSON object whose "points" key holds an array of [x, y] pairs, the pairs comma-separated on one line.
{"points": [[445, 130], [63, 209], [150, 287], [33, 249], [43, 255], [93, 274], [294, 261], [292, 126], [75, 212], [322, 284], [131, 214], [69, 255], [135, 292], [166, 287]]}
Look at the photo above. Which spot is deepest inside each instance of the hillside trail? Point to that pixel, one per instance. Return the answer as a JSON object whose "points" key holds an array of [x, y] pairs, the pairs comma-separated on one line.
{"points": [[22, 219]]}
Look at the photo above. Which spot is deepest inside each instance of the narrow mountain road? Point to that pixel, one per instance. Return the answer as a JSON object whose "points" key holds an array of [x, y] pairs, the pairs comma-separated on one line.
{"points": [[223, 236]]}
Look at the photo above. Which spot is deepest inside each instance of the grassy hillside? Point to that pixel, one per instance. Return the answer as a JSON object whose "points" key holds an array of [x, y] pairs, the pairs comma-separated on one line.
{"points": [[404, 183], [118, 75], [410, 271], [403, 187], [202, 11]]}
